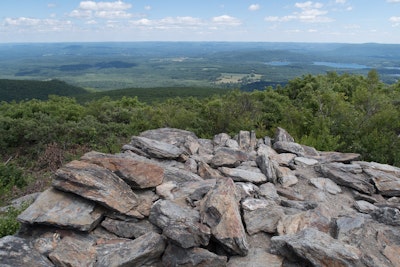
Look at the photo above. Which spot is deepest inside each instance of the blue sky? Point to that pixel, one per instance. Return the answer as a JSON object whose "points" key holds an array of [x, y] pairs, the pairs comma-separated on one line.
{"points": [[345, 21]]}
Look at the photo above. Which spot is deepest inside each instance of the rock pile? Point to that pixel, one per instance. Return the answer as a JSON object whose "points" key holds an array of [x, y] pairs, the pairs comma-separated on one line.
{"points": [[173, 199]]}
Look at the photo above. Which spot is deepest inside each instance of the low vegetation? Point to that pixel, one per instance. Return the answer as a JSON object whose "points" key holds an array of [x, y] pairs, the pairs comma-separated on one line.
{"points": [[342, 112]]}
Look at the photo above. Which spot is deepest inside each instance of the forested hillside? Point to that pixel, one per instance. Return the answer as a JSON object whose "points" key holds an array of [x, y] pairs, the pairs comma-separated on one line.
{"points": [[27, 89], [348, 113]]}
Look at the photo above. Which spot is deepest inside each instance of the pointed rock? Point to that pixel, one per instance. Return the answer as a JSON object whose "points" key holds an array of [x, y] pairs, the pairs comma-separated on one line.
{"points": [[98, 184], [206, 172], [268, 168], [196, 257], [16, 251], [219, 210], [136, 173], [318, 248], [64, 210], [282, 135], [145, 249], [182, 225], [349, 175]]}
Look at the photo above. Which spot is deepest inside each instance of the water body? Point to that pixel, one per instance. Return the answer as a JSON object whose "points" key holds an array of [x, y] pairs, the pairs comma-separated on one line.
{"points": [[340, 65], [278, 63]]}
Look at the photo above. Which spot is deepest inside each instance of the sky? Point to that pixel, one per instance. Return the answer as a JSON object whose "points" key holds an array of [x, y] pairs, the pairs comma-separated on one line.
{"points": [[342, 21]]}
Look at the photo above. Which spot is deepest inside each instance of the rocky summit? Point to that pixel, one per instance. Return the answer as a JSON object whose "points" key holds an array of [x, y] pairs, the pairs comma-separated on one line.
{"points": [[173, 199]]}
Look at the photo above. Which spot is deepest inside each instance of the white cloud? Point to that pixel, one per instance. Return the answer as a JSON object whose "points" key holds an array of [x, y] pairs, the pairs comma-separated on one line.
{"points": [[395, 21], [340, 1], [310, 12], [254, 7], [226, 20], [23, 24], [393, 1], [104, 6], [147, 8], [51, 5], [104, 10]]}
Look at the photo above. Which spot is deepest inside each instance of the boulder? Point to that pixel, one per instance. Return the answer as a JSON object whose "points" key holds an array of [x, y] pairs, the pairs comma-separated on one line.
{"points": [[326, 185], [227, 157], [219, 210], [145, 249], [349, 175], [282, 135], [268, 167], [129, 229], [261, 215], [180, 224], [240, 175], [387, 183], [136, 173], [317, 248], [155, 148], [196, 257], [98, 184], [16, 251], [64, 210], [289, 147]]}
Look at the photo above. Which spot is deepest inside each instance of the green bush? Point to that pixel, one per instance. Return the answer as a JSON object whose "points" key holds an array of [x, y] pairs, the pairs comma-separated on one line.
{"points": [[8, 221]]}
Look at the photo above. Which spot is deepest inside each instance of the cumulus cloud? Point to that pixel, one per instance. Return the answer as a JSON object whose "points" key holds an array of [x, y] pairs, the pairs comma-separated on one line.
{"points": [[311, 12], [169, 23], [395, 21], [104, 10], [226, 20], [254, 7]]}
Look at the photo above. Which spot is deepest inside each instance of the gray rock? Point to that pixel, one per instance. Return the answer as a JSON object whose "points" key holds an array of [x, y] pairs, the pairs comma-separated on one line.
{"points": [[286, 177], [194, 190], [129, 229], [347, 226], [268, 191], [171, 136], [388, 184], [98, 184], [289, 147], [318, 248], [387, 215], [228, 157], [268, 168], [219, 210], [289, 194], [282, 135], [349, 175], [246, 190], [144, 250], [300, 205], [326, 157], [63, 210], [21, 201], [364, 206], [16, 251], [302, 161], [326, 185], [247, 140], [261, 215], [221, 139], [136, 173], [206, 172], [74, 252], [292, 224], [240, 175], [181, 225], [179, 175], [199, 257], [155, 148]]}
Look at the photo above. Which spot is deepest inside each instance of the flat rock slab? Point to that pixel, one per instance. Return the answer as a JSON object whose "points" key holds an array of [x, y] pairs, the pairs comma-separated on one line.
{"points": [[228, 157], [98, 184], [16, 251], [326, 157], [289, 147], [326, 184], [199, 257], [64, 210], [156, 149], [127, 229], [136, 173], [220, 211], [388, 184], [240, 175], [347, 175], [320, 249], [74, 252], [146, 249]]}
